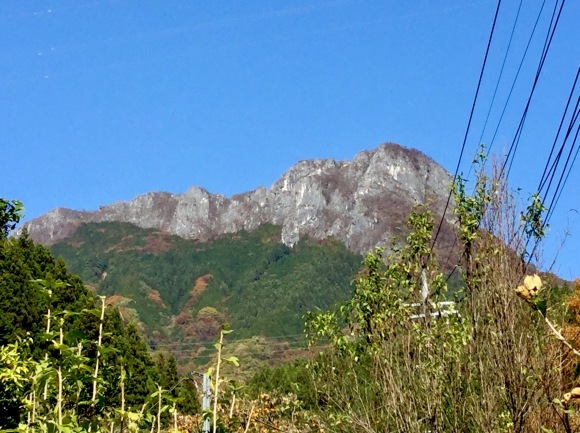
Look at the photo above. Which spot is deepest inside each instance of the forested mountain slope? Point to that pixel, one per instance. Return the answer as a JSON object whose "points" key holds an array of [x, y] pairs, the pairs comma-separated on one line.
{"points": [[180, 265], [184, 290]]}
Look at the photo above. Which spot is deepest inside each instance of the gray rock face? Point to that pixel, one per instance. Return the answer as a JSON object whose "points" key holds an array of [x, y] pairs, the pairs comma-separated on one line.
{"points": [[361, 202]]}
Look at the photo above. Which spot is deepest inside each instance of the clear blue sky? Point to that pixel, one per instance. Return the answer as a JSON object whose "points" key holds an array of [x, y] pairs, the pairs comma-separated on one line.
{"points": [[102, 100]]}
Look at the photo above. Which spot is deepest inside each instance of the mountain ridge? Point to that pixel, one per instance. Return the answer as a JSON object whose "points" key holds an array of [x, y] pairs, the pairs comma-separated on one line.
{"points": [[362, 202]]}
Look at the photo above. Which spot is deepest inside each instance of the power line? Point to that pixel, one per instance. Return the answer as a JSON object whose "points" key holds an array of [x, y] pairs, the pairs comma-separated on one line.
{"points": [[516, 78], [549, 175], [554, 167], [568, 174], [557, 193], [530, 38], [555, 17], [280, 338], [468, 125], [547, 171], [501, 70], [297, 345], [547, 43]]}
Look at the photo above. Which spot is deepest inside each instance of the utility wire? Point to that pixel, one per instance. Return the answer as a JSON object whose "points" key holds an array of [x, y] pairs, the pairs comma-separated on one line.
{"points": [[555, 200], [560, 180], [550, 172], [548, 40], [556, 162], [468, 126], [516, 78], [501, 71], [280, 338], [557, 193], [568, 174], [568, 165], [488, 151], [559, 186], [210, 356], [547, 43]]}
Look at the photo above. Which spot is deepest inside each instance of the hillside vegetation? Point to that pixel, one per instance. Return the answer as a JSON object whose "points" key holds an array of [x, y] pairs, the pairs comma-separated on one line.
{"points": [[395, 355], [63, 355], [185, 290]]}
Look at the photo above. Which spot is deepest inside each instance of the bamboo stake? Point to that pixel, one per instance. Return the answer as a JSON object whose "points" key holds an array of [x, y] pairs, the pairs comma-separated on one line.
{"points": [[217, 380], [59, 401], [233, 405], [96, 373], [174, 417], [159, 409], [59, 374], [45, 393], [33, 405], [122, 398], [249, 419]]}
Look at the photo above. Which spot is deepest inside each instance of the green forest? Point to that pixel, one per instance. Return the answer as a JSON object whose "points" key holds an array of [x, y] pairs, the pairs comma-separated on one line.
{"points": [[398, 350], [180, 292], [54, 335]]}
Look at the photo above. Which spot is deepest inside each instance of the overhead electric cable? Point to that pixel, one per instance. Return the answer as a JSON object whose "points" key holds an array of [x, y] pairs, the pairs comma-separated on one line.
{"points": [[280, 338], [546, 171], [556, 162], [547, 43], [516, 78], [468, 124], [558, 191], [213, 356], [549, 174], [555, 17], [501, 71], [568, 158], [569, 170], [563, 178]]}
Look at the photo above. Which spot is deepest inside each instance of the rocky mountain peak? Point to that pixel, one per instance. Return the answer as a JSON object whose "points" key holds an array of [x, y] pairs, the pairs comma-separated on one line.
{"points": [[362, 202]]}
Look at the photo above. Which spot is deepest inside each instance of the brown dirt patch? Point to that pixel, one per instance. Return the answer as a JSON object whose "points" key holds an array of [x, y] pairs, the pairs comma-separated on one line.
{"points": [[114, 300], [122, 245], [157, 243], [198, 288], [155, 296], [200, 285]]}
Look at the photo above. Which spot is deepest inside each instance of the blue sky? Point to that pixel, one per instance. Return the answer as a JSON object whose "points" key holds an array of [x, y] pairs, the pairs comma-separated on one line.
{"points": [[103, 100]]}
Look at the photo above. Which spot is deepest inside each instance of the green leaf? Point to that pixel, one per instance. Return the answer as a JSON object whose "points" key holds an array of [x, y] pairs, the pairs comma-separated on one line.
{"points": [[75, 335], [133, 416], [94, 311], [103, 350], [234, 360]]}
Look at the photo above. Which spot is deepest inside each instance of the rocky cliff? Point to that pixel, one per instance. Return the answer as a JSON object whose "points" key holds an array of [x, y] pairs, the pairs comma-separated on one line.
{"points": [[362, 202]]}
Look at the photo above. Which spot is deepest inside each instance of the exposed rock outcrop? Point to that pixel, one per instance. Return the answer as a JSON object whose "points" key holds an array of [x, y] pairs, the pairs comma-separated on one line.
{"points": [[361, 202]]}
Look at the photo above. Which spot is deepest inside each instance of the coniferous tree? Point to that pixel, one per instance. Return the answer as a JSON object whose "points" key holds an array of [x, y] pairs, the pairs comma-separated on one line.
{"points": [[33, 282]]}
